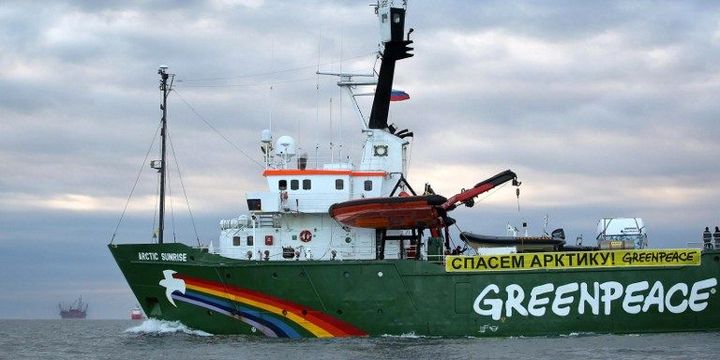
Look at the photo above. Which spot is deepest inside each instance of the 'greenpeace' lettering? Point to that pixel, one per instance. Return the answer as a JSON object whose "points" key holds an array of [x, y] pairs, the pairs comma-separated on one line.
{"points": [[595, 298]]}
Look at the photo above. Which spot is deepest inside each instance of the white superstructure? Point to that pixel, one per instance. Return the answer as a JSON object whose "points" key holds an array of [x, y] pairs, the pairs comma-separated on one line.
{"points": [[290, 220]]}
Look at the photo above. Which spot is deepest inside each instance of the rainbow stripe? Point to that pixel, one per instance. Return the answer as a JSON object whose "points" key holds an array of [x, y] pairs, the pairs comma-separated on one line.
{"points": [[270, 315]]}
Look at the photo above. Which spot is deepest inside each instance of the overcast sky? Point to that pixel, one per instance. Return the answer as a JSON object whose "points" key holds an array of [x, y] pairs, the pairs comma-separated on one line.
{"points": [[602, 108]]}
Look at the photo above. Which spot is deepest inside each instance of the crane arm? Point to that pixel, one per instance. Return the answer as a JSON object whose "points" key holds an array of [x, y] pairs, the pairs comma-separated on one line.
{"points": [[481, 187]]}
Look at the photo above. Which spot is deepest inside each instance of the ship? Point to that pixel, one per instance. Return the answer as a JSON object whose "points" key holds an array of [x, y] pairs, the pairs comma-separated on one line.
{"points": [[76, 310], [350, 249], [136, 313]]}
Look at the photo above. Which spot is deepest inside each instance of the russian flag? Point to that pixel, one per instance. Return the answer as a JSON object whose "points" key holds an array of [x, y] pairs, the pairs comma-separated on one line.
{"points": [[398, 95]]}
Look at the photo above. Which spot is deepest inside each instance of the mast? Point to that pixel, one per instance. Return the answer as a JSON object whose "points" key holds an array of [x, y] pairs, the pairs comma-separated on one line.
{"points": [[392, 28], [163, 134]]}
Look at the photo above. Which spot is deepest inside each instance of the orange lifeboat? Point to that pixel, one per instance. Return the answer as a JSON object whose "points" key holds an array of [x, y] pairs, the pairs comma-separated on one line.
{"points": [[391, 213]]}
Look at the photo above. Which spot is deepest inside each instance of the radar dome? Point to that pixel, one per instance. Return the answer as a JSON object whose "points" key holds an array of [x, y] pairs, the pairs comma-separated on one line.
{"points": [[266, 136], [285, 146]]}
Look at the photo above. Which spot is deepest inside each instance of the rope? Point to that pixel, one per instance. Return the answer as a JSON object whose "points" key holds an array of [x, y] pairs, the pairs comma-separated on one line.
{"points": [[262, 83], [493, 191], [182, 185], [172, 205], [465, 243], [217, 131], [490, 193], [132, 190], [155, 231], [277, 71]]}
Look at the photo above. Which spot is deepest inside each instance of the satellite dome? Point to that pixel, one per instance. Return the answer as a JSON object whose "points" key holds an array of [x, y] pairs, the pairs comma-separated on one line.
{"points": [[285, 146], [266, 136]]}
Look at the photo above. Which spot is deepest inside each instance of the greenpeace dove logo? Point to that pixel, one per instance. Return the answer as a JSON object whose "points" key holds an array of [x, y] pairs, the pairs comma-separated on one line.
{"points": [[171, 285]]}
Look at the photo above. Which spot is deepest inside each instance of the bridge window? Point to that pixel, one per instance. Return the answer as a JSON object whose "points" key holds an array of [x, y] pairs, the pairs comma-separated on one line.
{"points": [[307, 185], [254, 204], [368, 185], [236, 241], [249, 241], [282, 185], [294, 184], [339, 184]]}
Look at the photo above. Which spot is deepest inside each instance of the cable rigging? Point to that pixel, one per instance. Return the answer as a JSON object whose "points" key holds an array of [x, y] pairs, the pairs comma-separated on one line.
{"points": [[182, 185], [262, 83], [274, 72], [137, 179], [217, 131]]}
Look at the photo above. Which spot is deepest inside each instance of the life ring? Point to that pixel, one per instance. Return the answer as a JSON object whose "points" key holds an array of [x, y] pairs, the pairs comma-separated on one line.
{"points": [[305, 236]]}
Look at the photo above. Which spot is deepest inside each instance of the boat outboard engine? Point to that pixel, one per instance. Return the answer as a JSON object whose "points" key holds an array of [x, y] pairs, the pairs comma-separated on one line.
{"points": [[716, 236], [558, 234]]}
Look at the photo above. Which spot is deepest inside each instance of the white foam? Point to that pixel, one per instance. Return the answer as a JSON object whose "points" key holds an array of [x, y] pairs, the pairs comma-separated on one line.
{"points": [[159, 327], [578, 334], [410, 335], [572, 334]]}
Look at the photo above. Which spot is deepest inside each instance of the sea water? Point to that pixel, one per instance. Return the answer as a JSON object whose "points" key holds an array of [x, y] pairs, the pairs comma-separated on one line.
{"points": [[153, 339]]}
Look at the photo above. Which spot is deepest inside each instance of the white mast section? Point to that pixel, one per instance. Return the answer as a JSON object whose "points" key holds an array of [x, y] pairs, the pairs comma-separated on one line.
{"points": [[346, 82]]}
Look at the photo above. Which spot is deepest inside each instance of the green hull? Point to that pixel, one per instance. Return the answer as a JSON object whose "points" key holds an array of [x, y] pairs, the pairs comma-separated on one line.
{"points": [[395, 297]]}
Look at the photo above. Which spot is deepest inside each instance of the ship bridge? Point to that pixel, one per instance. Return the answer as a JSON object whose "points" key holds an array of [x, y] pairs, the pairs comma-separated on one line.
{"points": [[313, 191]]}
